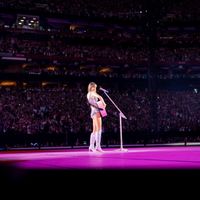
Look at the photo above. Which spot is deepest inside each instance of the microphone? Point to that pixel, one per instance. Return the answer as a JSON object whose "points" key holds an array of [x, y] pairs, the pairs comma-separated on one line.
{"points": [[103, 89]]}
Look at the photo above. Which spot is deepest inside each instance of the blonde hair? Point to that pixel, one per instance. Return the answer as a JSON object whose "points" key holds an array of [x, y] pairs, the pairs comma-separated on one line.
{"points": [[91, 85]]}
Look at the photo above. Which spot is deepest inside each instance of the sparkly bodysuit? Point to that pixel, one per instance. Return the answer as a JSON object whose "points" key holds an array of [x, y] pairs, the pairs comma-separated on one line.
{"points": [[93, 100]]}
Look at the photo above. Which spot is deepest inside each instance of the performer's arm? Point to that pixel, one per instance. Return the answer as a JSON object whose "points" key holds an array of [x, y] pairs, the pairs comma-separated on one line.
{"points": [[100, 98], [95, 105], [91, 102]]}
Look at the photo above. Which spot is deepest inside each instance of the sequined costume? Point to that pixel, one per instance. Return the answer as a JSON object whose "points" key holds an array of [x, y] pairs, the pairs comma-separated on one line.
{"points": [[93, 101]]}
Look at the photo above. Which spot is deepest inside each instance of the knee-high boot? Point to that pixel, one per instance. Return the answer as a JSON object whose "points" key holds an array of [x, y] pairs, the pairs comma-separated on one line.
{"points": [[98, 141], [92, 141]]}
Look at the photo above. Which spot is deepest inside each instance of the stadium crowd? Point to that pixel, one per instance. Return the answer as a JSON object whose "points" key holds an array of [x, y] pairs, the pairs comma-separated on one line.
{"points": [[81, 39], [61, 116]]}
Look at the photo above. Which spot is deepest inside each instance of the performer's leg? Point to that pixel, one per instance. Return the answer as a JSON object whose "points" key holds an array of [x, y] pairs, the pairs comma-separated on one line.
{"points": [[98, 141], [93, 134], [92, 141], [98, 135]]}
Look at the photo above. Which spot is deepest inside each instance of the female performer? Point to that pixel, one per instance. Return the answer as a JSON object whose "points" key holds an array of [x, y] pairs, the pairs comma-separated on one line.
{"points": [[93, 98]]}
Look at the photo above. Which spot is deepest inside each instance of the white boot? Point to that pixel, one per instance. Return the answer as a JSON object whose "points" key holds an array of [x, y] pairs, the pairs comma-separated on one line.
{"points": [[98, 142], [92, 141]]}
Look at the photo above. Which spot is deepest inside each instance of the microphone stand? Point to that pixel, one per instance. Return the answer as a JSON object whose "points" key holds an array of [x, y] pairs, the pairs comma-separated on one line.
{"points": [[121, 115]]}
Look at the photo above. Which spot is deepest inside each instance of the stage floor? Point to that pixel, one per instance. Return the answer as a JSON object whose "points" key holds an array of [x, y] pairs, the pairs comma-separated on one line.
{"points": [[140, 166], [111, 159]]}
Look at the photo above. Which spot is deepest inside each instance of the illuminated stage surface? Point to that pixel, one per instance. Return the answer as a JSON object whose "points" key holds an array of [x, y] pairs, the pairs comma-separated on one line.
{"points": [[111, 159], [71, 168]]}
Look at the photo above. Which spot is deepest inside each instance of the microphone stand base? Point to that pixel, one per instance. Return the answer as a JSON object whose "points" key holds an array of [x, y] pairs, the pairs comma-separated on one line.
{"points": [[122, 150]]}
